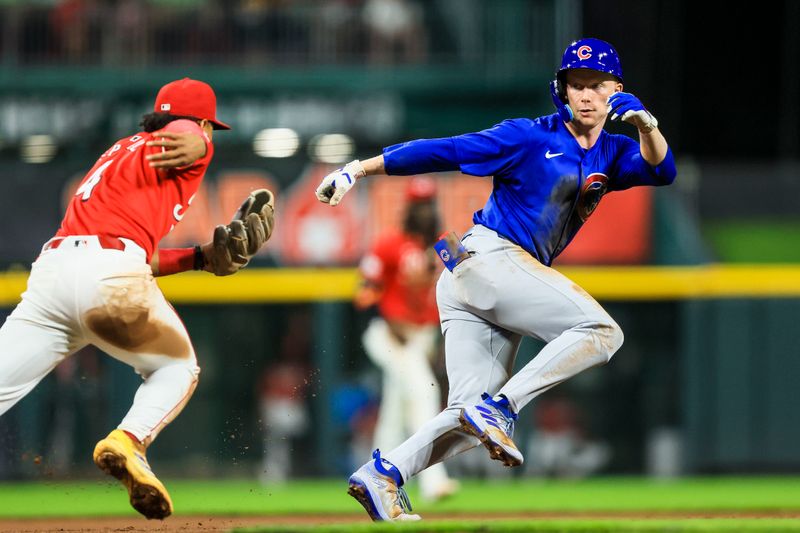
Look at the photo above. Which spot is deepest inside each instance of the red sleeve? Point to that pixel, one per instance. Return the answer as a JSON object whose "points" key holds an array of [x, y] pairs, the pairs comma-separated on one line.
{"points": [[381, 259], [199, 166]]}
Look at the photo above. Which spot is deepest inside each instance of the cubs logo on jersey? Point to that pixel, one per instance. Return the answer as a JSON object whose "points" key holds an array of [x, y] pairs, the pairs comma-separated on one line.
{"points": [[592, 191]]}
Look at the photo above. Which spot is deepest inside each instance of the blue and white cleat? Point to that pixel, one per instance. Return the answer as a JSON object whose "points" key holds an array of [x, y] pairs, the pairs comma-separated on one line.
{"points": [[493, 423], [378, 488]]}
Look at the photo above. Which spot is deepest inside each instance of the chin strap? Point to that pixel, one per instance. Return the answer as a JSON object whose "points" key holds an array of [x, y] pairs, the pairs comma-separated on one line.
{"points": [[564, 111]]}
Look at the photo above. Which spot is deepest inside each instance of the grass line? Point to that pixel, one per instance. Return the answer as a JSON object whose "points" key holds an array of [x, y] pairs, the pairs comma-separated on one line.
{"points": [[245, 497], [568, 526]]}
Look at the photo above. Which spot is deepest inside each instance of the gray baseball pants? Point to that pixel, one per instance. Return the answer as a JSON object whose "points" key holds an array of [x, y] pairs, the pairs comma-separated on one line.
{"points": [[487, 305]]}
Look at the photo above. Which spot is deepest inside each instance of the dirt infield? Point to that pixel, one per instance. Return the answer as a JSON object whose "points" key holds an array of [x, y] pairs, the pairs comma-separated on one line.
{"points": [[220, 523]]}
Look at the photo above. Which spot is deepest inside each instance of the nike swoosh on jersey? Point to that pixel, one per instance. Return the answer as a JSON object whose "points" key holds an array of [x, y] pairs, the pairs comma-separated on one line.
{"points": [[548, 155]]}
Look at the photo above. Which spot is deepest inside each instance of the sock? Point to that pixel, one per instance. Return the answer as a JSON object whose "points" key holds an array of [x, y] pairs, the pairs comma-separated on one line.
{"points": [[504, 405], [501, 399], [132, 437]]}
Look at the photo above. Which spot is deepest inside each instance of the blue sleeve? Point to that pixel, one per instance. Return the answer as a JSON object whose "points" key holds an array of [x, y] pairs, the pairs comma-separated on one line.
{"points": [[420, 157], [631, 170], [493, 151], [484, 153]]}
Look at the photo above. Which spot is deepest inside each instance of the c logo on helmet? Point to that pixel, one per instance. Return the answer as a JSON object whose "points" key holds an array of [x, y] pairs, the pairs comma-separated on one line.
{"points": [[584, 52]]}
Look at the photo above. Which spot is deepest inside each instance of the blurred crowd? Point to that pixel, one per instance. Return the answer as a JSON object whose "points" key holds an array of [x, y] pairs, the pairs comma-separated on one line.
{"points": [[252, 32]]}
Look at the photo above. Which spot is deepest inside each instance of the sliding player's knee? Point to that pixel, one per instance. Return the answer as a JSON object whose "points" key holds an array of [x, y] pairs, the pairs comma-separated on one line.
{"points": [[609, 337]]}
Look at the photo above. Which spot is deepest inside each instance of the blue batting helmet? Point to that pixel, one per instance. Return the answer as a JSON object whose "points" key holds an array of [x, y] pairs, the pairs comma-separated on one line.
{"points": [[586, 53], [592, 54]]}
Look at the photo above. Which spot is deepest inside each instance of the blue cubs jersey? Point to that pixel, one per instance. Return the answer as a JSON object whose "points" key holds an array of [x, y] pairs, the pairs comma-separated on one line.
{"points": [[545, 185]]}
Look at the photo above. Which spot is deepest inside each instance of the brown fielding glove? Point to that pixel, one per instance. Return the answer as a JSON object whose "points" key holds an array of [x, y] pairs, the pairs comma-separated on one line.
{"points": [[234, 244], [257, 215]]}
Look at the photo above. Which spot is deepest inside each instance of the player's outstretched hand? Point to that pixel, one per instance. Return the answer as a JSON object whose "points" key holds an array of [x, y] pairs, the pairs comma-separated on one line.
{"points": [[178, 149], [334, 186], [626, 107]]}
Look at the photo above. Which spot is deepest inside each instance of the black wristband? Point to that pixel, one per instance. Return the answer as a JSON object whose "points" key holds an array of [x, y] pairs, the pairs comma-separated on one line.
{"points": [[199, 258]]}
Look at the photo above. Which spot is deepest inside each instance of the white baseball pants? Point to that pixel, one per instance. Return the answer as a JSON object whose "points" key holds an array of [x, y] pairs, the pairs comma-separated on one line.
{"points": [[411, 395], [487, 304], [79, 294]]}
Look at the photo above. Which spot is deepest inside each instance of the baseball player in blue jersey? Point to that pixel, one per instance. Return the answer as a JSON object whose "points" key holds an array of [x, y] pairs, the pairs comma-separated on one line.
{"points": [[549, 174]]}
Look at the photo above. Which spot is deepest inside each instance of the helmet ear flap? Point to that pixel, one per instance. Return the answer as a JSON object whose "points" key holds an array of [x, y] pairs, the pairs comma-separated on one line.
{"points": [[559, 94], [561, 86]]}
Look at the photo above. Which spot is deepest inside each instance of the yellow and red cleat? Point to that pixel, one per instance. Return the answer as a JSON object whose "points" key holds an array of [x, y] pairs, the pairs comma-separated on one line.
{"points": [[119, 456]]}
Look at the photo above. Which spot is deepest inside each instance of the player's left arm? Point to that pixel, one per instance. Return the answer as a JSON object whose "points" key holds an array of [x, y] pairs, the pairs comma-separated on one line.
{"points": [[649, 163], [628, 108], [173, 260], [653, 146], [231, 246]]}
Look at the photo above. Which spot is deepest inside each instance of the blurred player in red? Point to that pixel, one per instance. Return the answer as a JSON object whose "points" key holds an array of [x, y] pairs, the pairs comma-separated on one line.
{"points": [[400, 273], [94, 281]]}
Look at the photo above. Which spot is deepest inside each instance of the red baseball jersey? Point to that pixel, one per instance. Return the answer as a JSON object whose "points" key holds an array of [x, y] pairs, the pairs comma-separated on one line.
{"points": [[123, 196], [406, 272]]}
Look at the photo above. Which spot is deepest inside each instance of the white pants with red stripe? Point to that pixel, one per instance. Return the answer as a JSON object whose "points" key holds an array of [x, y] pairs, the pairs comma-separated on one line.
{"points": [[81, 293]]}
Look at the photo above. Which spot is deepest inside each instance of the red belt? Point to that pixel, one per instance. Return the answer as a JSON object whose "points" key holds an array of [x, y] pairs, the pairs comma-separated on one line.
{"points": [[109, 243]]}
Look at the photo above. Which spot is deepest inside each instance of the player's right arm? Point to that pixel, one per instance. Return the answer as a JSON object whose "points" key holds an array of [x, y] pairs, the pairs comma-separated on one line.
{"points": [[483, 153], [180, 149], [181, 144]]}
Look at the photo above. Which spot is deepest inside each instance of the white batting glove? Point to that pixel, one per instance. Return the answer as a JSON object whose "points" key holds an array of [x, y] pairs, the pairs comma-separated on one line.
{"points": [[336, 184], [626, 107]]}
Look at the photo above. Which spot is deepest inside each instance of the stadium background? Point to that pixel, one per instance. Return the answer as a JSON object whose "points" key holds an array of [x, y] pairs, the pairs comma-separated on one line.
{"points": [[702, 276]]}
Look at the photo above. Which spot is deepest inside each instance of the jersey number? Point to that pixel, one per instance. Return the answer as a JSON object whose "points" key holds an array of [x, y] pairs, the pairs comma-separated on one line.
{"points": [[86, 188]]}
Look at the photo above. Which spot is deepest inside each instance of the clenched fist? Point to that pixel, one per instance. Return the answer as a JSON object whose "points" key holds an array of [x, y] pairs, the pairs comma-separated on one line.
{"points": [[628, 108], [336, 184]]}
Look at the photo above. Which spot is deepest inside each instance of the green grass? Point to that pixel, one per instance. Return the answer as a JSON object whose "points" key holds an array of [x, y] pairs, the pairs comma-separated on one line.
{"points": [[550, 526], [227, 497], [755, 241]]}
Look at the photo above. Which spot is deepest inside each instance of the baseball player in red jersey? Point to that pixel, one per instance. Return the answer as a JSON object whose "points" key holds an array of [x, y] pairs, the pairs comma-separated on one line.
{"points": [[399, 273], [94, 280]]}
